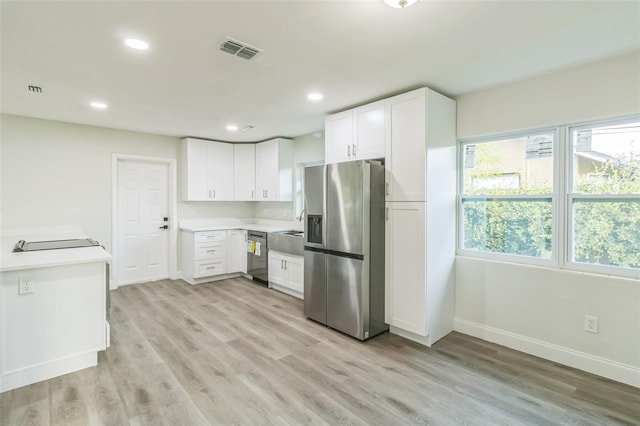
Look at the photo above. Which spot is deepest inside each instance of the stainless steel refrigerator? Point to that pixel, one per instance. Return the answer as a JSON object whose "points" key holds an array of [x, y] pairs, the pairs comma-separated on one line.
{"points": [[344, 247]]}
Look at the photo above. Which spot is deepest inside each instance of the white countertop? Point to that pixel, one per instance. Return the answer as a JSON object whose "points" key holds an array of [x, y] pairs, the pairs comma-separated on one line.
{"points": [[10, 261], [263, 226]]}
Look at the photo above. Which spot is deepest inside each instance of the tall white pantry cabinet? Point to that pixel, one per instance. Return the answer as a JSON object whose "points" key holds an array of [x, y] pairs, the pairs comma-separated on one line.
{"points": [[420, 160]]}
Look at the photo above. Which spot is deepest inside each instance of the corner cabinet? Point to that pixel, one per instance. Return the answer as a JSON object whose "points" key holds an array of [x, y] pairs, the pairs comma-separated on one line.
{"points": [[274, 170], [206, 166], [356, 134], [221, 171], [213, 255], [420, 163], [286, 273]]}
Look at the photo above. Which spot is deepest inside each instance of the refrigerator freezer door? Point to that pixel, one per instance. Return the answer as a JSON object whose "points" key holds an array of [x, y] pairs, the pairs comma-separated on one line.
{"points": [[348, 205], [315, 286], [347, 295], [314, 224]]}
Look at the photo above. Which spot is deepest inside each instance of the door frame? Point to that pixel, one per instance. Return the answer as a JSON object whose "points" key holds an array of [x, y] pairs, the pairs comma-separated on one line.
{"points": [[173, 212]]}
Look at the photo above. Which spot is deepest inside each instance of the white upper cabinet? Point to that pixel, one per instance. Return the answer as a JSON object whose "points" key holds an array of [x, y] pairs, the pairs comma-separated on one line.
{"points": [[244, 172], [405, 157], [356, 134], [338, 137], [206, 169], [368, 127], [274, 170], [420, 141]]}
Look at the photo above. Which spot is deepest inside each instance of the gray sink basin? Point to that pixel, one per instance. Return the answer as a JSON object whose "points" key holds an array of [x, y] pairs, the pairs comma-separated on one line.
{"points": [[290, 242]]}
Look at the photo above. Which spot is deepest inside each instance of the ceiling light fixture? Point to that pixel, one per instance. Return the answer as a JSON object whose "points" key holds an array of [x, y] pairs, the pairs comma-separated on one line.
{"points": [[232, 127], [399, 4], [98, 105], [134, 43], [315, 96]]}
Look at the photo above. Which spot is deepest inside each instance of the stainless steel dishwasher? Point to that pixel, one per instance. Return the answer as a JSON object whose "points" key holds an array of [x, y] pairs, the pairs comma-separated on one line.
{"points": [[257, 262]]}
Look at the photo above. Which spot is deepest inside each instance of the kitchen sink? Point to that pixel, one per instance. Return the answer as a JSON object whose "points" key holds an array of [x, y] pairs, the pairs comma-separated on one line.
{"points": [[290, 242]]}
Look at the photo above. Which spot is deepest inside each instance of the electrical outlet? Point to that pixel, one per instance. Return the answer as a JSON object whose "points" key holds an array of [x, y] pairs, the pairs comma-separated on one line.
{"points": [[590, 323], [26, 286]]}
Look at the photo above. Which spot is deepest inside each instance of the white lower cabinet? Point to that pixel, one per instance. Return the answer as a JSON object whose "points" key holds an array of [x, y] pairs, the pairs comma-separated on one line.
{"points": [[405, 267], [286, 273], [236, 251]]}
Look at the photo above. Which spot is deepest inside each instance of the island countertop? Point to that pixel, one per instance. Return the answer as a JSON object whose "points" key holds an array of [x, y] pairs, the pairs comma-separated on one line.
{"points": [[13, 261]]}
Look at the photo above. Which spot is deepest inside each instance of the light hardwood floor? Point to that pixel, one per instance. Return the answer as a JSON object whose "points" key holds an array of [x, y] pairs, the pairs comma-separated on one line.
{"points": [[234, 352]]}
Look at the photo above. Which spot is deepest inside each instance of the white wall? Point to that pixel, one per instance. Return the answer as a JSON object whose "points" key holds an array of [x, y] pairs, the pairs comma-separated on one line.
{"points": [[541, 310], [55, 174]]}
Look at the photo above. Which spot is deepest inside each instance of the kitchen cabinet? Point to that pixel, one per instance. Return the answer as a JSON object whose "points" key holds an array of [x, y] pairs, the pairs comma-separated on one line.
{"points": [[338, 137], [244, 171], [420, 163], [356, 134], [405, 156], [207, 167], [236, 251], [286, 273], [203, 254], [274, 170]]}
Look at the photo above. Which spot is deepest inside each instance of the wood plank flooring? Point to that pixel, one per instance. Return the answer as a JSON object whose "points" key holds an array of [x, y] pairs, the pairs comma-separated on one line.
{"points": [[234, 352]]}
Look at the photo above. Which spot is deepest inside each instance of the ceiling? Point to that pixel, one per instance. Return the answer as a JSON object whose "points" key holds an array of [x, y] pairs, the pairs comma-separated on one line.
{"points": [[351, 51]]}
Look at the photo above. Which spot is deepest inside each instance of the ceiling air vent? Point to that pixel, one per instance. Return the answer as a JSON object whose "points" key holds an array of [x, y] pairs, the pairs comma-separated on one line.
{"points": [[239, 49]]}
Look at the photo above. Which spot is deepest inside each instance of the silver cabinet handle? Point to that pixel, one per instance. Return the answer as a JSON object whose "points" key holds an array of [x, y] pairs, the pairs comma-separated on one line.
{"points": [[386, 213], [386, 191], [211, 267], [285, 264], [252, 194], [211, 251], [281, 264], [349, 150], [353, 150], [214, 193]]}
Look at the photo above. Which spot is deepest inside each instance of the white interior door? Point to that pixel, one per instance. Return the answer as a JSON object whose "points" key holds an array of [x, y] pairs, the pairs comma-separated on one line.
{"points": [[143, 205]]}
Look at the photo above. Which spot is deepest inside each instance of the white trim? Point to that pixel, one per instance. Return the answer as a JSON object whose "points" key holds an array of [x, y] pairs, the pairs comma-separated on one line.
{"points": [[173, 209], [613, 370]]}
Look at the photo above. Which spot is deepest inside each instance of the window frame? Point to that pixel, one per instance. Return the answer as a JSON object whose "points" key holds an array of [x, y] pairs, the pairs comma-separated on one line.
{"points": [[571, 196], [562, 201], [552, 196]]}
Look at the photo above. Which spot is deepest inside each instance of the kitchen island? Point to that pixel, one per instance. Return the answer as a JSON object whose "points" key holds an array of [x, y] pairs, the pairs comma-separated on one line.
{"points": [[53, 311]]}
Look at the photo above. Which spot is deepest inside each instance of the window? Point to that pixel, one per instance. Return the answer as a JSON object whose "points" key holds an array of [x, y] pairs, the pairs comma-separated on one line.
{"points": [[604, 194], [518, 202], [507, 195]]}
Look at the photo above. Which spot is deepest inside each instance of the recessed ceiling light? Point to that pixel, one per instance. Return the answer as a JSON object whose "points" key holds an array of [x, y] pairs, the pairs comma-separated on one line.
{"points": [[315, 96], [399, 4], [137, 44], [98, 105], [232, 127]]}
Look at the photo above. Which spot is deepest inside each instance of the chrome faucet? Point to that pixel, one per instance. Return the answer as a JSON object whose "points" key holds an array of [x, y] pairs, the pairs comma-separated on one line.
{"points": [[301, 215]]}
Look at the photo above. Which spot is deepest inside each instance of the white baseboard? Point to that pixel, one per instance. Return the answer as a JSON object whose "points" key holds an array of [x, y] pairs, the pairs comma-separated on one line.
{"points": [[37, 373], [613, 370]]}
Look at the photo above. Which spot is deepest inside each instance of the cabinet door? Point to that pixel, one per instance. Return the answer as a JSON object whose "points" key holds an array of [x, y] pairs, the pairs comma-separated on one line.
{"points": [[405, 279], [267, 170], [369, 123], [220, 171], [406, 147], [196, 186], [338, 137], [277, 273], [244, 171], [295, 273], [234, 252]]}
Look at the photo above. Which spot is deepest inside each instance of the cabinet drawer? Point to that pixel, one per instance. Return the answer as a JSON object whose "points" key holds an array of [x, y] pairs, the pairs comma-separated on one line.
{"points": [[209, 250], [207, 268], [210, 236]]}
